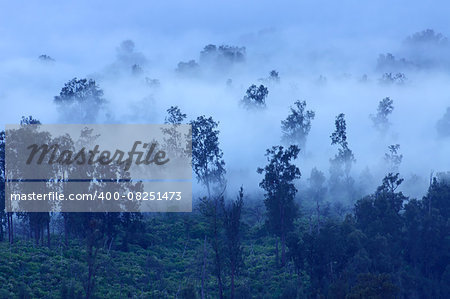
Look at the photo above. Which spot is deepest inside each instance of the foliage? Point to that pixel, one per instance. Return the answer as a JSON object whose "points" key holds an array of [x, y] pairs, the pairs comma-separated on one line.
{"points": [[255, 97], [443, 125], [381, 120], [207, 156], [280, 191], [297, 125], [80, 100], [342, 162]]}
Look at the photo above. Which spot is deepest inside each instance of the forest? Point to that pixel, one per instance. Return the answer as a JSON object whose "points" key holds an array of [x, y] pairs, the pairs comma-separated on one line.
{"points": [[312, 177]]}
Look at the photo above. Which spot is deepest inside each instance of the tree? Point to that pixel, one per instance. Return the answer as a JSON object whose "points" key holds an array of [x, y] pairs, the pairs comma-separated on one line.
{"points": [[433, 254], [222, 57], [393, 158], [173, 141], [136, 70], [428, 36], [274, 76], [80, 100], [209, 167], [37, 221], [207, 160], [212, 209], [190, 67], [342, 162], [390, 78], [380, 213], [279, 175], [93, 241], [381, 120], [317, 190], [175, 116], [297, 125], [388, 62], [2, 184], [255, 97], [232, 224], [127, 56], [443, 125], [46, 59]]}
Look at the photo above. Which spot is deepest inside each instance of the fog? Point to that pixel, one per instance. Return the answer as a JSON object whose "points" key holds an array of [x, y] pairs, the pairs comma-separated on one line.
{"points": [[339, 42]]}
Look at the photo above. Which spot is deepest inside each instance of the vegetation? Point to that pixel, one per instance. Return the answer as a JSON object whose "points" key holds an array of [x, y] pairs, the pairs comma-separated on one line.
{"points": [[391, 246]]}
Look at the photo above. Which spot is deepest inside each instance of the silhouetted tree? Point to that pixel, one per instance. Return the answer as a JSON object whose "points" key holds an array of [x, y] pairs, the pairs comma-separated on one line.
{"points": [[232, 224], [443, 125], [274, 76], [381, 120], [391, 78], [342, 162], [46, 59], [255, 97], [317, 191], [393, 158], [209, 167], [297, 125], [428, 36], [279, 175], [2, 185], [173, 141], [80, 100], [188, 68], [222, 57], [207, 161]]}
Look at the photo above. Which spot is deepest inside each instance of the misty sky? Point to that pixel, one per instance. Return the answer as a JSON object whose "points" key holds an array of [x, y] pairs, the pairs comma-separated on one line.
{"points": [[80, 28]]}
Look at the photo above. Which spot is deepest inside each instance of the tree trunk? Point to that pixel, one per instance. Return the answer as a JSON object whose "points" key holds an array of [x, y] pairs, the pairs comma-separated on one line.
{"points": [[283, 248], [318, 215], [233, 270], [92, 267], [219, 275], [204, 269], [9, 228], [1, 229], [41, 229], [216, 248], [37, 234], [283, 238], [48, 233], [276, 252], [66, 231]]}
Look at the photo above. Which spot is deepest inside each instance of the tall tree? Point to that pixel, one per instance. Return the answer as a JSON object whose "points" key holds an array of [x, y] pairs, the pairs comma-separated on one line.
{"points": [[173, 141], [443, 125], [317, 191], [19, 139], [2, 184], [278, 182], [393, 158], [212, 209], [207, 160], [297, 125], [232, 225], [209, 168], [381, 119], [342, 162], [80, 100], [379, 217]]}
